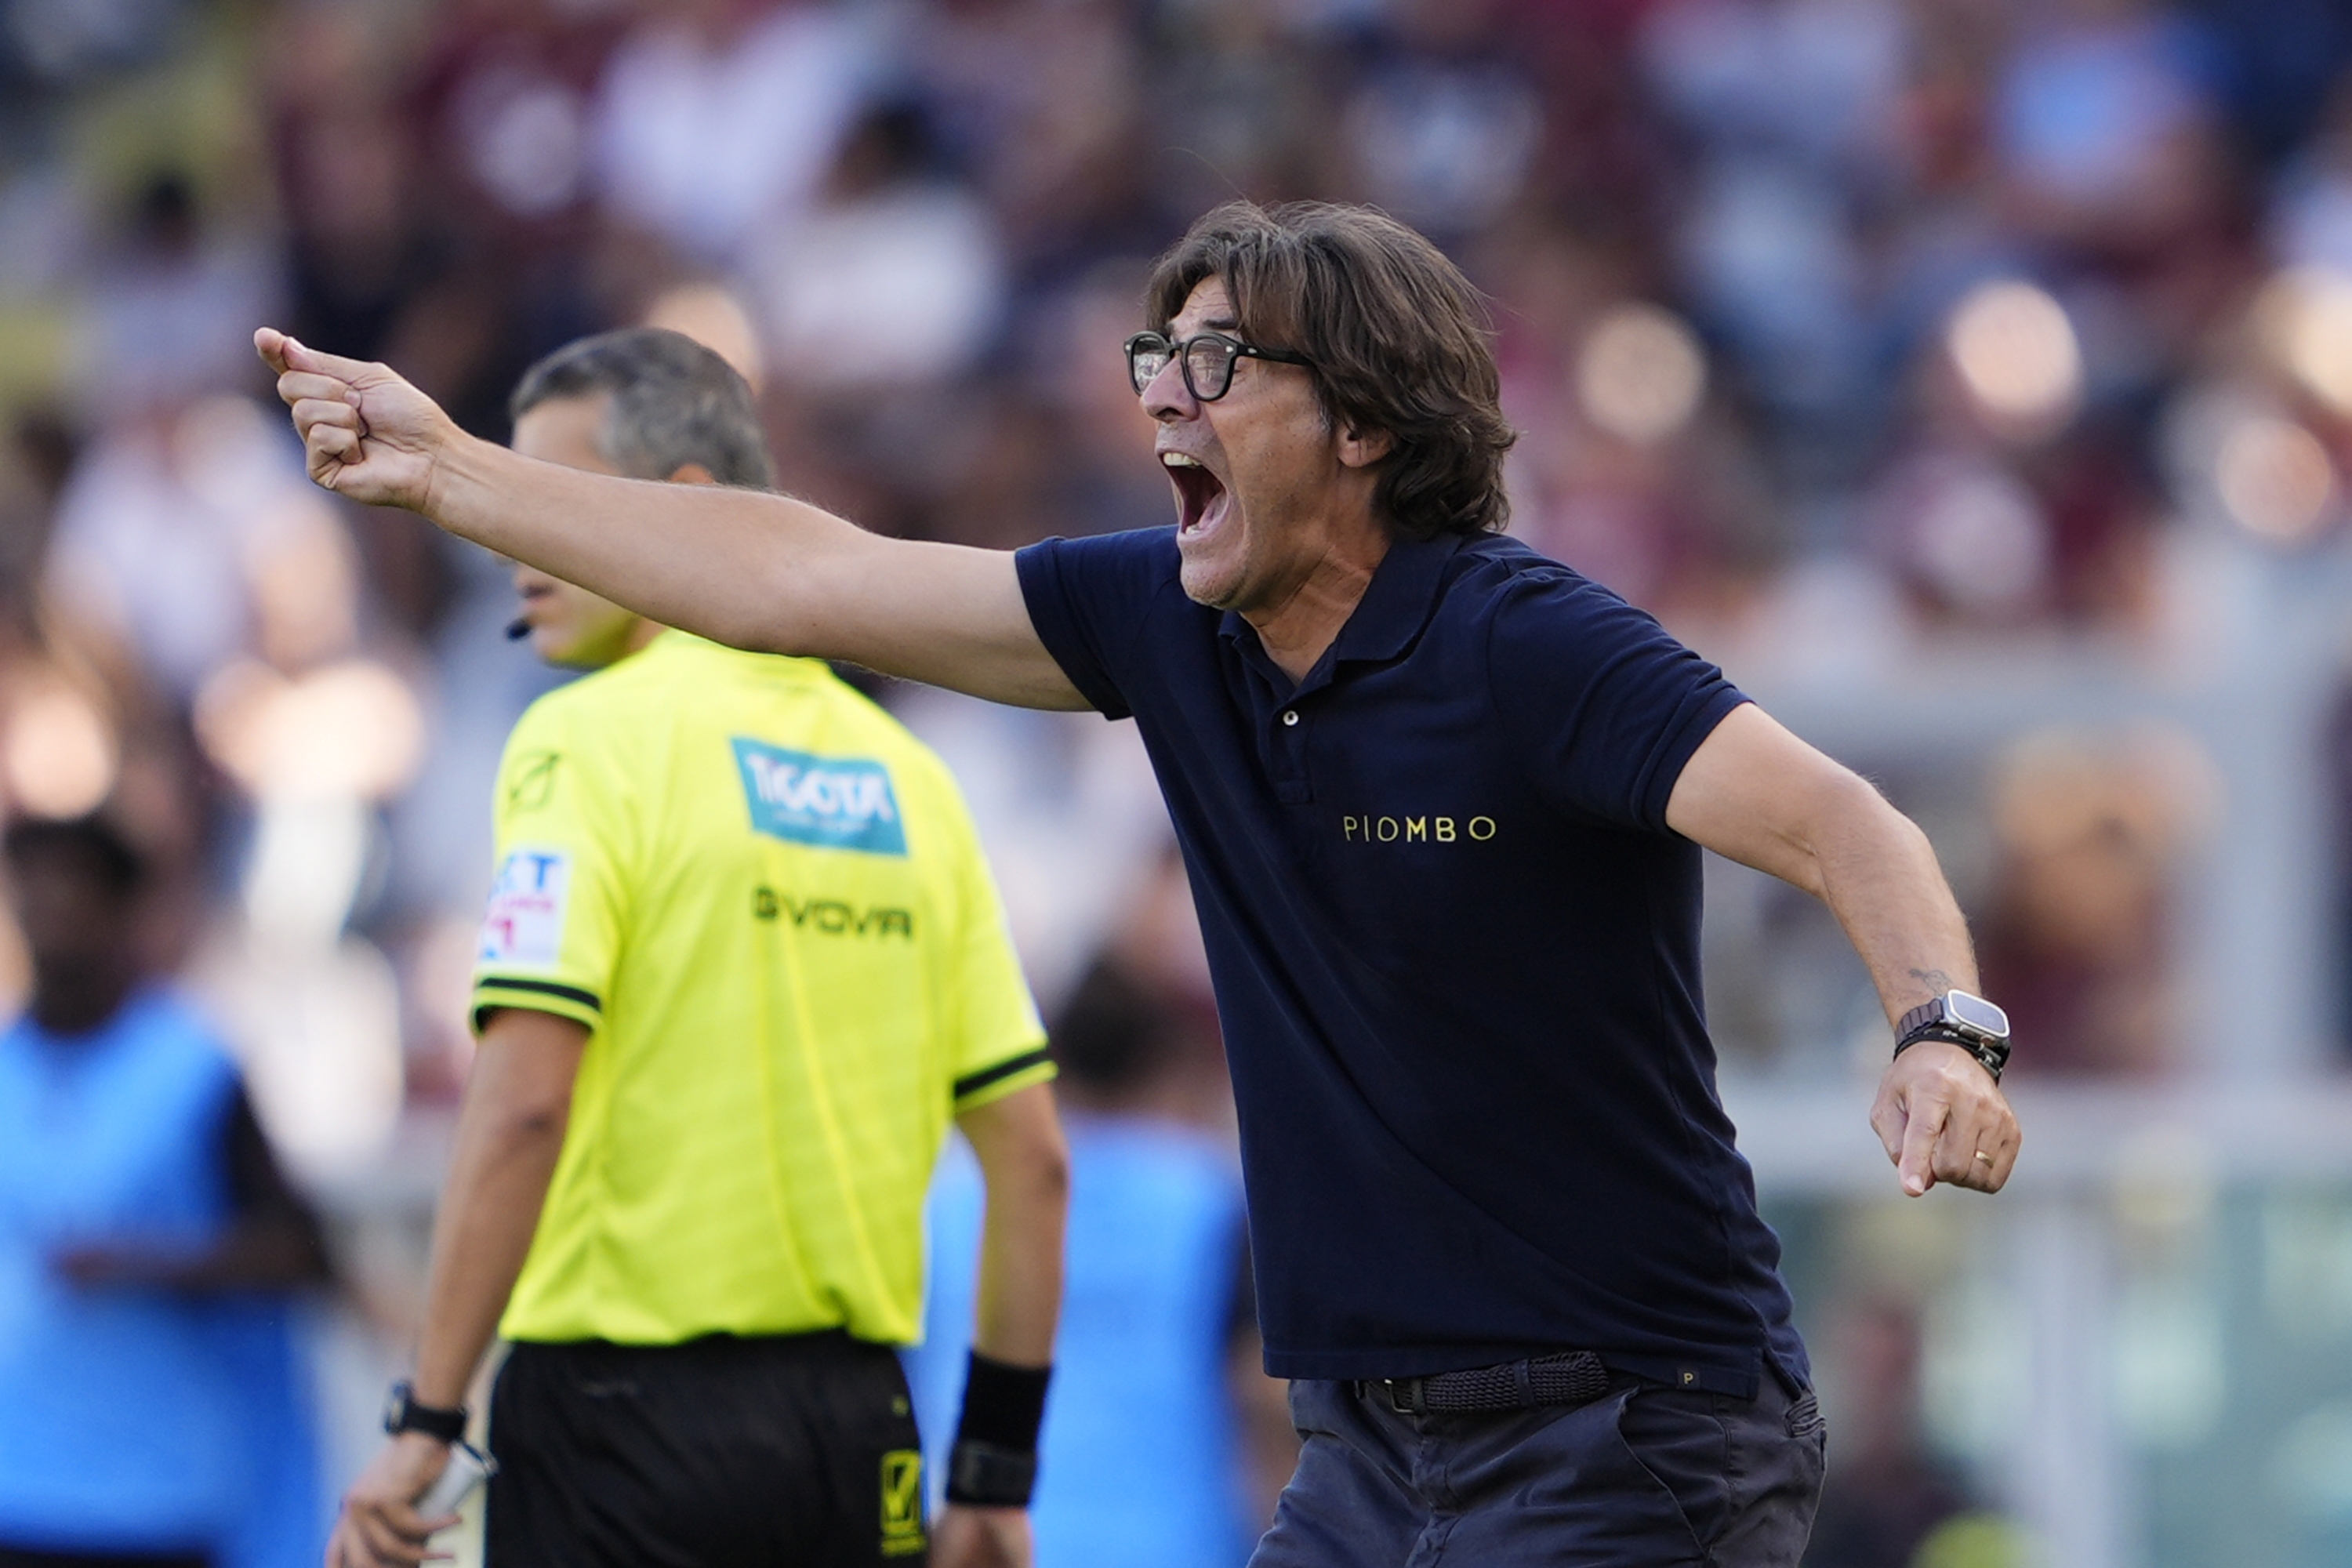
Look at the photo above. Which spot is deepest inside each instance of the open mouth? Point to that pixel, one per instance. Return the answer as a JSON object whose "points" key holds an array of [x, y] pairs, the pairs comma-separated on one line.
{"points": [[1200, 495]]}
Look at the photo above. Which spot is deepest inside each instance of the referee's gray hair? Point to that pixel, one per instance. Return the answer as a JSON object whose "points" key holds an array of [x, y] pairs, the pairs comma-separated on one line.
{"points": [[670, 402]]}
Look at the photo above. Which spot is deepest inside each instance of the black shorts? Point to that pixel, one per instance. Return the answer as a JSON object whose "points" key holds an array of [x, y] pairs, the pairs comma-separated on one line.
{"points": [[792, 1452]]}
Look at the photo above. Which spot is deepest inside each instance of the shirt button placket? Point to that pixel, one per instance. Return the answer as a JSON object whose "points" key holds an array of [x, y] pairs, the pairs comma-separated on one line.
{"points": [[1290, 760]]}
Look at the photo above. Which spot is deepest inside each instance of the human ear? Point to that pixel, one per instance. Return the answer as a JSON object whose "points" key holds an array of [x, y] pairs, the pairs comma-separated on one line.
{"points": [[1360, 448]]}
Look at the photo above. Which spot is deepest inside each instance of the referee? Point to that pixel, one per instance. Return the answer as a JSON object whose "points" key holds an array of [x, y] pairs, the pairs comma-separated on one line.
{"points": [[742, 962]]}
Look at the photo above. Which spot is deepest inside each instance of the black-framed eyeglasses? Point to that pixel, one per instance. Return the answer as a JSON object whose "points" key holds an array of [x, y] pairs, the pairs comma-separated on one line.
{"points": [[1207, 358]]}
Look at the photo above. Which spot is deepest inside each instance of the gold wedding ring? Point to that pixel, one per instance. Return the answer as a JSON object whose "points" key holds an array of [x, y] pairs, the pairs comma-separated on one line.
{"points": [[1985, 1157]]}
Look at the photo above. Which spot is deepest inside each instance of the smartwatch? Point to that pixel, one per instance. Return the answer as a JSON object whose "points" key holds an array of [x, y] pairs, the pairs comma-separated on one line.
{"points": [[1958, 1018], [402, 1413]]}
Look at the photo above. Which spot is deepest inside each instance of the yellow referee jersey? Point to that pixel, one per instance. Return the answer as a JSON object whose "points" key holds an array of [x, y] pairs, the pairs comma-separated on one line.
{"points": [[765, 899]]}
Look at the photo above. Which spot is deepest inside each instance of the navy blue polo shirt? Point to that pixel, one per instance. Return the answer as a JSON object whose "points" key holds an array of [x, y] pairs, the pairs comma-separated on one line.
{"points": [[1455, 951]]}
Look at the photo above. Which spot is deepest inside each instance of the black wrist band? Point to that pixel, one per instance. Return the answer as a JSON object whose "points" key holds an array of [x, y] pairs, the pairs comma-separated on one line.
{"points": [[981, 1475], [1943, 1032], [1003, 1404], [402, 1414], [1990, 1055]]}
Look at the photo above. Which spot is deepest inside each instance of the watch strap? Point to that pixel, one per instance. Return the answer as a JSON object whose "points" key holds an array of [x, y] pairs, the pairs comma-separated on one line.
{"points": [[402, 1413], [1932, 1011]]}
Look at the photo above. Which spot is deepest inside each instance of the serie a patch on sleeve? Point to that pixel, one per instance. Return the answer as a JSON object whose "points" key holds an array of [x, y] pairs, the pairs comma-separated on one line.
{"points": [[833, 803], [524, 924]]}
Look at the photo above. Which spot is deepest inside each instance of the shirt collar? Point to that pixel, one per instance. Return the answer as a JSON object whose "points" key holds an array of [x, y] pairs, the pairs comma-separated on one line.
{"points": [[1395, 606]]}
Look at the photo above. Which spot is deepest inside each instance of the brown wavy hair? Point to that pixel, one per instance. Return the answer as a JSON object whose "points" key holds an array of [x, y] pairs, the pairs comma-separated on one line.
{"points": [[1400, 341]]}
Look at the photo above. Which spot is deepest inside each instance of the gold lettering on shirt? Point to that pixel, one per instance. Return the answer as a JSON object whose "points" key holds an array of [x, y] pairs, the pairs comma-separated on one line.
{"points": [[1427, 829]]}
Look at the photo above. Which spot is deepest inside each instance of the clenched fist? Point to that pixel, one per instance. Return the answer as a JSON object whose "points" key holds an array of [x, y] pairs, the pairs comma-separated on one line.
{"points": [[366, 434]]}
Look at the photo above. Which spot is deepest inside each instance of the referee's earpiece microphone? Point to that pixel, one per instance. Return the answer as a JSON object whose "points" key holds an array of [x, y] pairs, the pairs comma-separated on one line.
{"points": [[518, 628]]}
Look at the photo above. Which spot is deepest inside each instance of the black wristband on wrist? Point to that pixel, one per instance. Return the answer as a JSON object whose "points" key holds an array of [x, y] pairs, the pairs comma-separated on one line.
{"points": [[994, 1461], [981, 1475], [1943, 1032], [1991, 1056], [1003, 1404]]}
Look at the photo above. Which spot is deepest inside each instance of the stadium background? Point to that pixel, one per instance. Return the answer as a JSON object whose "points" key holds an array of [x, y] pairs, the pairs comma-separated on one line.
{"points": [[1971, 378]]}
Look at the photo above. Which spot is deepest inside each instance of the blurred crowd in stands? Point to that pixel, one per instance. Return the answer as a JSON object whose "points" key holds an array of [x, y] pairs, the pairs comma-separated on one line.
{"points": [[1841, 333]]}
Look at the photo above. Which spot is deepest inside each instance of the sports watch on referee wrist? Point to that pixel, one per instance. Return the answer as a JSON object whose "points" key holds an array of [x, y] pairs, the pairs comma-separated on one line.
{"points": [[1959, 1019], [402, 1413]]}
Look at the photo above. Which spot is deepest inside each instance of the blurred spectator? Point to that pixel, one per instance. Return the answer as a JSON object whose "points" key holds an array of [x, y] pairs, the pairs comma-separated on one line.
{"points": [[2311, 208], [1444, 125], [151, 1405], [718, 118], [167, 306], [891, 278], [2077, 943], [1142, 1461], [174, 519], [2104, 118], [1886, 1495]]}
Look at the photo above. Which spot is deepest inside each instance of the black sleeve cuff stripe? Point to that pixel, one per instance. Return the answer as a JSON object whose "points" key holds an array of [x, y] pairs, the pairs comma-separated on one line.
{"points": [[975, 1082], [587, 999]]}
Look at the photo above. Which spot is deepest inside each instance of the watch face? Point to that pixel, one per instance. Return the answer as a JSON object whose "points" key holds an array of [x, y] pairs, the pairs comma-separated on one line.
{"points": [[1975, 1013]]}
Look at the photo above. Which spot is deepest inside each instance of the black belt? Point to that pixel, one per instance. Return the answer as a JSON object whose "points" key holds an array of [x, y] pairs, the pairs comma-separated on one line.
{"points": [[1572, 1377]]}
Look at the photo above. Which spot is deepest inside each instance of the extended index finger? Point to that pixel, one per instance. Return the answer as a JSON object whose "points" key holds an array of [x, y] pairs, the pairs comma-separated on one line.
{"points": [[1922, 1126]]}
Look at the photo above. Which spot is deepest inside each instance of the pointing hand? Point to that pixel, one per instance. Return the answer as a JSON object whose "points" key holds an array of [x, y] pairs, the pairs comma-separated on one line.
{"points": [[1943, 1119], [366, 434]]}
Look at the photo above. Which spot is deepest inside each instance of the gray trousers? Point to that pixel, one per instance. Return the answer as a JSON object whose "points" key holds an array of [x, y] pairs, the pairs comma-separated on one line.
{"points": [[1645, 1476]]}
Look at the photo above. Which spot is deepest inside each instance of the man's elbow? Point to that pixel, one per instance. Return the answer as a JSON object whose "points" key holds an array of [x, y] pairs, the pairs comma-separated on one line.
{"points": [[1032, 1171], [1041, 1172], [532, 1126]]}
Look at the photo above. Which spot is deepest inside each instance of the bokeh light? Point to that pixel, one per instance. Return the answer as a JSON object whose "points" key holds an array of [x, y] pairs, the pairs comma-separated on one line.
{"points": [[2303, 318], [2275, 479], [351, 728], [2017, 356], [59, 752], [1640, 373]]}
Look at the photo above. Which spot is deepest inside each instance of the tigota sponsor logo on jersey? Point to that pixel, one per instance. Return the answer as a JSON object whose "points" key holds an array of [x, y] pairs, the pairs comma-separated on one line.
{"points": [[833, 803]]}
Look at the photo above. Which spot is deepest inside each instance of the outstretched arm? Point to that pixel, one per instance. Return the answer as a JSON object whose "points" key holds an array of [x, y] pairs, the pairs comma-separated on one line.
{"points": [[752, 569], [1756, 793]]}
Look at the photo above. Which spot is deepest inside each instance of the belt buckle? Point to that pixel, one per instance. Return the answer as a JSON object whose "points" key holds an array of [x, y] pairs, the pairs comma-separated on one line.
{"points": [[1404, 1403]]}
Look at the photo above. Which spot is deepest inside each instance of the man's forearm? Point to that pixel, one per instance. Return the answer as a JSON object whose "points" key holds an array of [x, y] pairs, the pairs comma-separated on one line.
{"points": [[729, 565], [1020, 1287], [1756, 793], [480, 1237], [1026, 1166], [509, 1136], [1881, 880]]}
